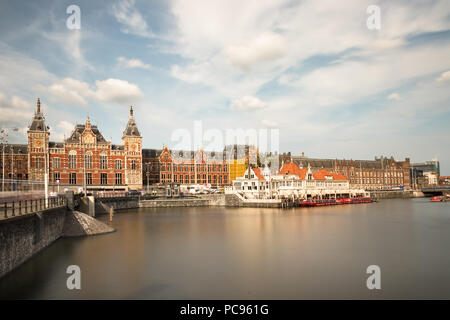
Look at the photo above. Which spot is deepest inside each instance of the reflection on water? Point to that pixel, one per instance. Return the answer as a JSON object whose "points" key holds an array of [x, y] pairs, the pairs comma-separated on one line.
{"points": [[249, 253]]}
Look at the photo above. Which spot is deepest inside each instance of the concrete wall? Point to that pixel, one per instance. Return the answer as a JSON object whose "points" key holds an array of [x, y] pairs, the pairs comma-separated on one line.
{"points": [[164, 203], [102, 206], [391, 194], [232, 200], [23, 236], [214, 199]]}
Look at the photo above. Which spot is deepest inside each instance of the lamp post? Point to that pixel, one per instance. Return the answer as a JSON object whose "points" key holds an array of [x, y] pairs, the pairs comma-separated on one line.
{"points": [[45, 167]]}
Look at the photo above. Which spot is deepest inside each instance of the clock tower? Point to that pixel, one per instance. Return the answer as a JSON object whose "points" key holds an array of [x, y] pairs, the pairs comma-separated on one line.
{"points": [[132, 143], [38, 137]]}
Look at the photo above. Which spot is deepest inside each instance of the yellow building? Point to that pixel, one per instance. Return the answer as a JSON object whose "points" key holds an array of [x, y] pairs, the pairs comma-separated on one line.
{"points": [[237, 168]]}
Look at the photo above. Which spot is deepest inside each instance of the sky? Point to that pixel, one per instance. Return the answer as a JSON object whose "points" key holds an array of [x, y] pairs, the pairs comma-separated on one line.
{"points": [[314, 70]]}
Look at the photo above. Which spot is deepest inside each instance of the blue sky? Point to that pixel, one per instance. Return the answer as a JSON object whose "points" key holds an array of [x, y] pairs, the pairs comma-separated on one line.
{"points": [[313, 69]]}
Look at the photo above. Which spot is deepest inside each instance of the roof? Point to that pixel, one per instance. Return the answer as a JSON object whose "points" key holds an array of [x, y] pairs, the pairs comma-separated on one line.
{"points": [[38, 122], [131, 129], [55, 144], [258, 173], [151, 153], [379, 163], [322, 174], [78, 131], [16, 148], [292, 168]]}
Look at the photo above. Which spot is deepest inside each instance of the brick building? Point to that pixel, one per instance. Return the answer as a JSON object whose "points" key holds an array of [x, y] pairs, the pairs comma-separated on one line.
{"points": [[86, 158], [381, 173], [185, 167]]}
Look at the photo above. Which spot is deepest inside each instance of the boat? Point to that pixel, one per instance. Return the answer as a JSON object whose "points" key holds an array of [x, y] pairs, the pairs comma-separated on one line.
{"points": [[318, 202], [437, 199], [361, 200], [333, 202]]}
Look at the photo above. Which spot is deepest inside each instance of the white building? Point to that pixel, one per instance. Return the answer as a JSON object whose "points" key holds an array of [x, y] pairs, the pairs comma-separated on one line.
{"points": [[293, 182]]}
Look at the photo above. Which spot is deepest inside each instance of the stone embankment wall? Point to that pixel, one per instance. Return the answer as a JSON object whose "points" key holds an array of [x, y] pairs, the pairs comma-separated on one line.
{"points": [[392, 194], [165, 203], [102, 206], [23, 236]]}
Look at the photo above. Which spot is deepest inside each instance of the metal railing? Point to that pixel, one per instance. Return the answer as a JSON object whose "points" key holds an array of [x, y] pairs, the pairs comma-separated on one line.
{"points": [[12, 208]]}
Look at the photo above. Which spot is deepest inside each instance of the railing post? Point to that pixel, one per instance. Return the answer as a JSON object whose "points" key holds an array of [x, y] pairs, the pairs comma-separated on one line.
{"points": [[26, 206], [40, 204], [20, 207], [6, 210], [13, 214]]}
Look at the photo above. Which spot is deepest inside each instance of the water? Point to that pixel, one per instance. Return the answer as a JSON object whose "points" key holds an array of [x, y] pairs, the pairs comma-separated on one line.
{"points": [[250, 253]]}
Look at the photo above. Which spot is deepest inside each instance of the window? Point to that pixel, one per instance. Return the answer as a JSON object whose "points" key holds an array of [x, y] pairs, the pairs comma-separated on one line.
{"points": [[72, 159], [103, 161], [19, 164], [73, 178], [56, 163], [133, 164], [118, 164], [39, 163], [104, 178], [118, 178], [220, 179], [56, 177], [88, 178], [88, 160], [163, 167]]}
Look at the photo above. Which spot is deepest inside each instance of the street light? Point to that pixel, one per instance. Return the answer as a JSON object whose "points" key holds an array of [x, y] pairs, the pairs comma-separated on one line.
{"points": [[3, 135]]}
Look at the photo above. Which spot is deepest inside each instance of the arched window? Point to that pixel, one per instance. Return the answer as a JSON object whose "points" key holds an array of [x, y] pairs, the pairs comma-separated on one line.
{"points": [[72, 159]]}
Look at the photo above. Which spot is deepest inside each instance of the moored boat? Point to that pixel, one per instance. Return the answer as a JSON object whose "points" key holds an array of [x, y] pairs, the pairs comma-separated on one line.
{"points": [[437, 199], [331, 202]]}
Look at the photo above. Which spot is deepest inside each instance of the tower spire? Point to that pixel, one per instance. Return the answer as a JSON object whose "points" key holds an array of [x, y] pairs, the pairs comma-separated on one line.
{"points": [[38, 106], [131, 112]]}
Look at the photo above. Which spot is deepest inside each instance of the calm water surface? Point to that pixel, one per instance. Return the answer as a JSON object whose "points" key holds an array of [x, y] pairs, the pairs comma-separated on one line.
{"points": [[249, 253]]}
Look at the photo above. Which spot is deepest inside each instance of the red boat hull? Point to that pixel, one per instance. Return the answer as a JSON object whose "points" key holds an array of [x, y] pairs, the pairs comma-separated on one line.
{"points": [[333, 202]]}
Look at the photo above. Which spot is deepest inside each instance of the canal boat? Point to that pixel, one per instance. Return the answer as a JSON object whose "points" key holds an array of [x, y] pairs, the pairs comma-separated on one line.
{"points": [[333, 202], [437, 199]]}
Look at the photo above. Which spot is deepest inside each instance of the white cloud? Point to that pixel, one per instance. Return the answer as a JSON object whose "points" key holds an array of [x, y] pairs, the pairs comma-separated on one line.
{"points": [[59, 92], [117, 90], [264, 47], [14, 111], [62, 130], [75, 92], [132, 20], [444, 77], [393, 97], [133, 63], [247, 103], [269, 123]]}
